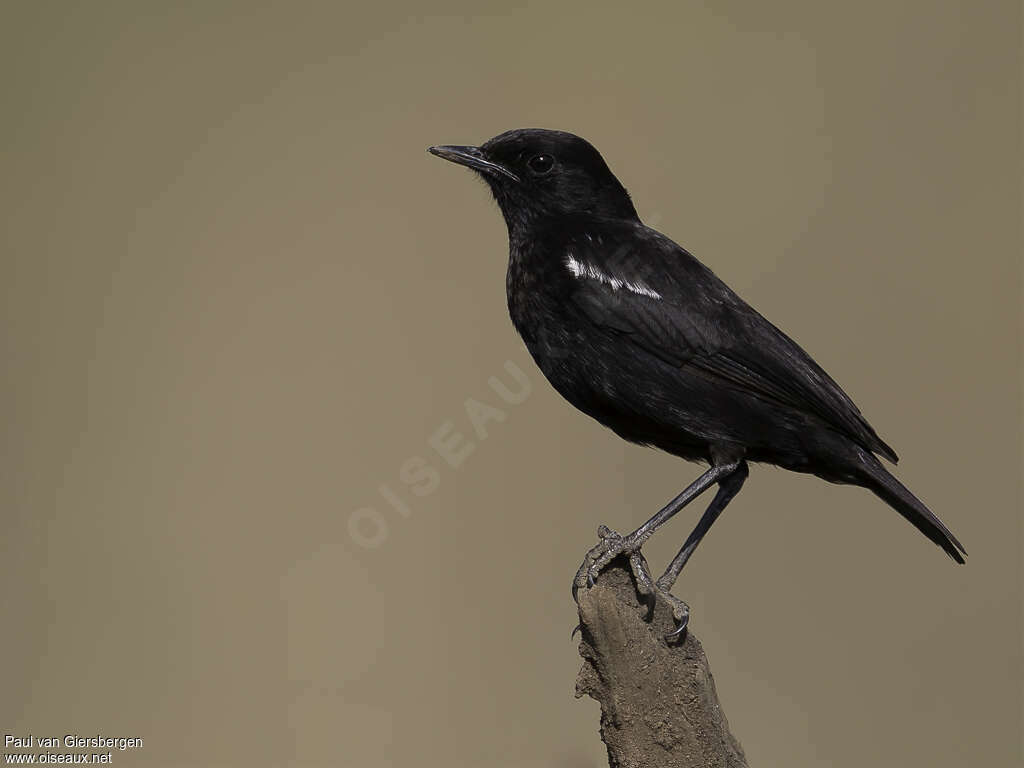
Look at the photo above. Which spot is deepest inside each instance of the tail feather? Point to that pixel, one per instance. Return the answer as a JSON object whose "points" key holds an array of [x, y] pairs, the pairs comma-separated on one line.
{"points": [[897, 496]]}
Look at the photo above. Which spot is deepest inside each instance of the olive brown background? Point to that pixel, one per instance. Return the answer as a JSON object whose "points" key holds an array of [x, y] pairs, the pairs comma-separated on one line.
{"points": [[239, 300]]}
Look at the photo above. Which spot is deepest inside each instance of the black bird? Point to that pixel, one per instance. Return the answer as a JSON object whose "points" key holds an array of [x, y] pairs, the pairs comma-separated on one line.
{"points": [[635, 332]]}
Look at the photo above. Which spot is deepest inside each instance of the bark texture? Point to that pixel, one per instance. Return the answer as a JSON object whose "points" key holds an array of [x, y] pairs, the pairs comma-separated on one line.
{"points": [[659, 707]]}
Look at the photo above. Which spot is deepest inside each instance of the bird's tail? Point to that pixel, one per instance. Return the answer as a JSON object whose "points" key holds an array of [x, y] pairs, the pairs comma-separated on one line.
{"points": [[895, 494]]}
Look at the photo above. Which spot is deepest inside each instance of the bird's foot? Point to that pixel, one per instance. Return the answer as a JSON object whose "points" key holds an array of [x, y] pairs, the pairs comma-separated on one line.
{"points": [[609, 546], [612, 545], [680, 612], [650, 591]]}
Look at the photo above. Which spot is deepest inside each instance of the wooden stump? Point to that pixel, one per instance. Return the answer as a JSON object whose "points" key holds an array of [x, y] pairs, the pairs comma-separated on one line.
{"points": [[659, 707]]}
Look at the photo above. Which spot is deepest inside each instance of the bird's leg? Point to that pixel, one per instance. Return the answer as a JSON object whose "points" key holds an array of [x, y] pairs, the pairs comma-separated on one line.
{"points": [[613, 544], [728, 487]]}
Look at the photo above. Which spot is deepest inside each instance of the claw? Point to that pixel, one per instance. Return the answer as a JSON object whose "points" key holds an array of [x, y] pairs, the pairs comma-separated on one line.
{"points": [[577, 628], [679, 633], [681, 615]]}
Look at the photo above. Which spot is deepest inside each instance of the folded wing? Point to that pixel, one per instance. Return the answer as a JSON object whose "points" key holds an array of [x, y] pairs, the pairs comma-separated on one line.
{"points": [[654, 293]]}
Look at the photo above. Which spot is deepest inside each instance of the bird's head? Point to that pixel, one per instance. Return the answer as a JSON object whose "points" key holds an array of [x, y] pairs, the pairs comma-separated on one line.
{"points": [[536, 173]]}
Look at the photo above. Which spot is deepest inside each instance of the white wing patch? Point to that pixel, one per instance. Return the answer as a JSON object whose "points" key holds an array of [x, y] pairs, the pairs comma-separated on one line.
{"points": [[582, 270]]}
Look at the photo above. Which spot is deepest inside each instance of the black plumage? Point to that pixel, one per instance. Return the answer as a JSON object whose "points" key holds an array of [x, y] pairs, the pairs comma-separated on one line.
{"points": [[631, 329]]}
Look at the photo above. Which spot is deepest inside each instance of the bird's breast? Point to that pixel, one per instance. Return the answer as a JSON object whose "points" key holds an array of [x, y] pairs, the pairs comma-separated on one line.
{"points": [[560, 345], [537, 299]]}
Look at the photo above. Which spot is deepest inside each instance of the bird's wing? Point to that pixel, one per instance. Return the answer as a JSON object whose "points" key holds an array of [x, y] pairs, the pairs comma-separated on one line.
{"points": [[642, 286]]}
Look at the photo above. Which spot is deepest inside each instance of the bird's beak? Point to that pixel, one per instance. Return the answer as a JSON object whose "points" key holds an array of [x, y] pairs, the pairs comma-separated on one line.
{"points": [[472, 157]]}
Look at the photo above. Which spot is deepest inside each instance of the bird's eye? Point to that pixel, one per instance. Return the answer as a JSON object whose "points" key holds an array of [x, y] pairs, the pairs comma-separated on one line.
{"points": [[541, 164]]}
